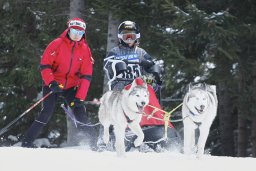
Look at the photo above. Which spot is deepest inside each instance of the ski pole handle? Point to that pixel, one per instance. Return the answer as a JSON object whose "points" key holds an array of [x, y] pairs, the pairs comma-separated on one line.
{"points": [[3, 130]]}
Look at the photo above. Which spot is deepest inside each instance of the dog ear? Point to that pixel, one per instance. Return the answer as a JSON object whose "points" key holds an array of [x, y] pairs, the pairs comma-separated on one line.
{"points": [[131, 86], [204, 86], [141, 82], [212, 91], [210, 97], [190, 87], [190, 96], [145, 85], [213, 88], [137, 82]]}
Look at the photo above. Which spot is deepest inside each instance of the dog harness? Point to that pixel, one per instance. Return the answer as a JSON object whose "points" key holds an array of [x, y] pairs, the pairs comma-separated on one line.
{"points": [[197, 123], [128, 119]]}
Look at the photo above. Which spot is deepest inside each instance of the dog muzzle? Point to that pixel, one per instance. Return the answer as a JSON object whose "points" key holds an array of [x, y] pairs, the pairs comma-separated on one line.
{"points": [[141, 107]]}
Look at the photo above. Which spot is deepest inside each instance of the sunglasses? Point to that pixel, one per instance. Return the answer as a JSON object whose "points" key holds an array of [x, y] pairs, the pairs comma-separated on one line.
{"points": [[75, 31]]}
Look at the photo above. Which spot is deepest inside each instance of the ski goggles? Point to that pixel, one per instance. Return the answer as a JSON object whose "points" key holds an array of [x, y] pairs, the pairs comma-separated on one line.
{"points": [[78, 32], [127, 36]]}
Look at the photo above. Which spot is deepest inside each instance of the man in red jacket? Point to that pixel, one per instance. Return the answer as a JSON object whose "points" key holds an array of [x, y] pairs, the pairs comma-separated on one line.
{"points": [[66, 69]]}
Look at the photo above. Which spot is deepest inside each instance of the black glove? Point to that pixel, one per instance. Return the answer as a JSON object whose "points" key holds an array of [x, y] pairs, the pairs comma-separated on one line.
{"points": [[55, 87], [146, 63], [77, 103]]}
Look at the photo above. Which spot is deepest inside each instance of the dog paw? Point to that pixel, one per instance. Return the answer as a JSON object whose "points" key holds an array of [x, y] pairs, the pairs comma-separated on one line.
{"points": [[138, 142], [106, 139], [199, 156]]}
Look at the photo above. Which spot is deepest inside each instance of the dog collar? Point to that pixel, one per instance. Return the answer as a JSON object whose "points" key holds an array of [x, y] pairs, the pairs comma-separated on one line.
{"points": [[197, 123], [128, 119], [192, 113]]}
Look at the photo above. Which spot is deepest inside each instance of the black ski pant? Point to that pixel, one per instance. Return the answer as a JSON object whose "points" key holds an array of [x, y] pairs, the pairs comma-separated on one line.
{"points": [[47, 111]]}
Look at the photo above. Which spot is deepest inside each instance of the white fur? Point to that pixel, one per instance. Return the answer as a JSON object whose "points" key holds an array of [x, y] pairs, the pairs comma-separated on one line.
{"points": [[115, 105], [198, 111]]}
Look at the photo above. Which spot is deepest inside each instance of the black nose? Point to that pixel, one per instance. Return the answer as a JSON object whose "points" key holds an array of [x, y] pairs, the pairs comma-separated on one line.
{"points": [[143, 103], [202, 107]]}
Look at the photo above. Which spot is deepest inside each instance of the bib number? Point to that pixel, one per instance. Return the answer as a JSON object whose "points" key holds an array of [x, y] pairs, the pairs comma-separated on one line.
{"points": [[132, 72]]}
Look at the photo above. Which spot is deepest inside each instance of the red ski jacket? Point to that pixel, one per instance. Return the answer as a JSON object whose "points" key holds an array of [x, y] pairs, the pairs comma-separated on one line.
{"points": [[69, 63]]}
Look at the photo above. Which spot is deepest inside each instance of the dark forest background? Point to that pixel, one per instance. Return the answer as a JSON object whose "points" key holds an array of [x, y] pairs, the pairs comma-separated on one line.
{"points": [[210, 41]]}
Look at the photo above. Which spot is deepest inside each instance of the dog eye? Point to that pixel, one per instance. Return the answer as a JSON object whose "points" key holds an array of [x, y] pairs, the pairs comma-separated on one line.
{"points": [[137, 95]]}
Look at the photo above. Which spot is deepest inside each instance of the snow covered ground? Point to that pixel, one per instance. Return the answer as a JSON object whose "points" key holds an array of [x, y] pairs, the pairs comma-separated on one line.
{"points": [[82, 159]]}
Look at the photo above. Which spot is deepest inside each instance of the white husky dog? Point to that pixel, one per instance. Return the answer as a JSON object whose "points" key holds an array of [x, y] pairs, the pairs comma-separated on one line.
{"points": [[121, 109], [198, 111]]}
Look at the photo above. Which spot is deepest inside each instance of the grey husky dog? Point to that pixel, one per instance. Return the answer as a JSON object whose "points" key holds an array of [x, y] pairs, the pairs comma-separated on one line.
{"points": [[121, 109], [198, 111]]}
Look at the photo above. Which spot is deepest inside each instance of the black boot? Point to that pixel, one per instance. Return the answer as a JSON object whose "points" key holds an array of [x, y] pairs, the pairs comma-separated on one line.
{"points": [[32, 134]]}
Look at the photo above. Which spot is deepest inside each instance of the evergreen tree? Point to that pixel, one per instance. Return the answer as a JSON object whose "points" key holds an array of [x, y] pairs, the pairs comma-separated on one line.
{"points": [[200, 41]]}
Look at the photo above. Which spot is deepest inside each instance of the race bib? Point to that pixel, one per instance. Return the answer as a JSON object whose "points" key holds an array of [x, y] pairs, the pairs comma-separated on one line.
{"points": [[132, 72]]}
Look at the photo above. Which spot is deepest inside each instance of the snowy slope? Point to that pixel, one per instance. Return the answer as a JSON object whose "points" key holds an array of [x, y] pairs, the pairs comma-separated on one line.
{"points": [[82, 159]]}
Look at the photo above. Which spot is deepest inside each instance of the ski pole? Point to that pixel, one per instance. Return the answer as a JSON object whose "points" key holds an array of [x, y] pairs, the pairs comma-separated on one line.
{"points": [[3, 130]]}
